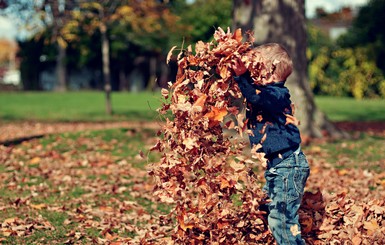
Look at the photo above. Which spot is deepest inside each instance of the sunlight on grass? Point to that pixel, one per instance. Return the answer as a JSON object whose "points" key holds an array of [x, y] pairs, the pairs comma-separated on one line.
{"points": [[349, 109], [78, 106]]}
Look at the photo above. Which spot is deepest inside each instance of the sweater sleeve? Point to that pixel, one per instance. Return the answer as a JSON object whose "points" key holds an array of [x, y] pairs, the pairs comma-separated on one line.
{"points": [[248, 91]]}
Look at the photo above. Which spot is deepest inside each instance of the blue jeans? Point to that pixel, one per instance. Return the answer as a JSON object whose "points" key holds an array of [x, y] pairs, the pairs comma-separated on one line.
{"points": [[285, 186]]}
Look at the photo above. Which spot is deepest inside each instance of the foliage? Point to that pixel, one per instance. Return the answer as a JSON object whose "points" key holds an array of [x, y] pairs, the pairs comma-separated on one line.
{"points": [[342, 71], [367, 31], [201, 17], [146, 24]]}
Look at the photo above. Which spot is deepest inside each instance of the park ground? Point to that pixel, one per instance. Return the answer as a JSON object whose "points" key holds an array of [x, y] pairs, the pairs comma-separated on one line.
{"points": [[87, 182]]}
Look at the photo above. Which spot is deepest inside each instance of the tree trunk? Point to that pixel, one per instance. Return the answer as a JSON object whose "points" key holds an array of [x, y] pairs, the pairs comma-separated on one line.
{"points": [[283, 21], [61, 68], [152, 70], [123, 82], [106, 67]]}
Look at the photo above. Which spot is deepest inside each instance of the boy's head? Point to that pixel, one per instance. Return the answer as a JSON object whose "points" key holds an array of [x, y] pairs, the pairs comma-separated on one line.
{"points": [[273, 54]]}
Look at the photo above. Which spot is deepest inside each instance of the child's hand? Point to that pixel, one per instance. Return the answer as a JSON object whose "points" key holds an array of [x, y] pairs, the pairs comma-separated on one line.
{"points": [[239, 67]]}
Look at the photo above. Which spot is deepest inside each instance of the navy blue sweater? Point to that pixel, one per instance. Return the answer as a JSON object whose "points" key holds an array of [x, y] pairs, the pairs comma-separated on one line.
{"points": [[266, 109]]}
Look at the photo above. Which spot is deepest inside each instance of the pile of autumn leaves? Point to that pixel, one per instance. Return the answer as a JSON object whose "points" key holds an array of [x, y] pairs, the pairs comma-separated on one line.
{"points": [[203, 173]]}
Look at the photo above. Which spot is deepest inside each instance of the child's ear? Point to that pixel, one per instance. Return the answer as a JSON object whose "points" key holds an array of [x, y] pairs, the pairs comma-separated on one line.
{"points": [[271, 79]]}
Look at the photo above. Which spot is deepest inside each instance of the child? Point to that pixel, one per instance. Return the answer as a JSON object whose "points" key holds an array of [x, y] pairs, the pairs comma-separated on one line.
{"points": [[270, 119]]}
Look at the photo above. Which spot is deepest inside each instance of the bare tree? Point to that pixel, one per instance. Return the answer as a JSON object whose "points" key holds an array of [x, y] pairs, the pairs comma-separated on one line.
{"points": [[283, 21]]}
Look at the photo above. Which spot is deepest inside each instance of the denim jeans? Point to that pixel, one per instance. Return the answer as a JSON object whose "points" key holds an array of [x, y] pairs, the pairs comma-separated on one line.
{"points": [[285, 186]]}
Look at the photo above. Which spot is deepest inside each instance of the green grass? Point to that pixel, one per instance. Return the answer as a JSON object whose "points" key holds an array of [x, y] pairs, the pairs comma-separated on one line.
{"points": [[364, 152], [90, 106], [78, 106], [349, 109]]}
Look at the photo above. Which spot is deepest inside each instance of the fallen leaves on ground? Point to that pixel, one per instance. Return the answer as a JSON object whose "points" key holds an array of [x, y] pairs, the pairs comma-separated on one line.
{"points": [[78, 185], [68, 190]]}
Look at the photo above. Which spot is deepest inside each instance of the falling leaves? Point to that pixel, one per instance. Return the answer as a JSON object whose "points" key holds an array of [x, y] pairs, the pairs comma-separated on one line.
{"points": [[198, 172]]}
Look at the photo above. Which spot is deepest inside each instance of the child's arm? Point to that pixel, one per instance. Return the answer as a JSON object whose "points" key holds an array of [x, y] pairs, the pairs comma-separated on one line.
{"points": [[248, 91]]}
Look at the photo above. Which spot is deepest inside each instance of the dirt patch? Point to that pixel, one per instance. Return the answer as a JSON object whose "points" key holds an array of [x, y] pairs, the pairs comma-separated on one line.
{"points": [[377, 128]]}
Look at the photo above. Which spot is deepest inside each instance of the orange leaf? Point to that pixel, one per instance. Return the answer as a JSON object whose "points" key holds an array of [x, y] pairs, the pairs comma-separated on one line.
{"points": [[216, 114], [35, 160], [182, 224], [291, 120], [224, 182], [222, 224], [201, 101], [238, 35]]}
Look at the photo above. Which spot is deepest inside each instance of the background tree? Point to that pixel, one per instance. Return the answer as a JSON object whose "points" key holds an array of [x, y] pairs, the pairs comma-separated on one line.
{"points": [[342, 71], [121, 25], [368, 31], [284, 22], [201, 17]]}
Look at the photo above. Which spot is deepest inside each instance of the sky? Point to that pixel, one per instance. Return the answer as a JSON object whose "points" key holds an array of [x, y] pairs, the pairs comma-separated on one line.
{"points": [[9, 31], [330, 5]]}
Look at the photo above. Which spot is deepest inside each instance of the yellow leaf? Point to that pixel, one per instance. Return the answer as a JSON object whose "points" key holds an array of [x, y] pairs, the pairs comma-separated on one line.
{"points": [[8, 232], [38, 206], [35, 160], [342, 172], [10, 220], [371, 226]]}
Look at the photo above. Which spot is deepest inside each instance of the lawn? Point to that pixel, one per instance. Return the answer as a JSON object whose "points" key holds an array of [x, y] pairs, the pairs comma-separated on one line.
{"points": [[349, 109], [78, 106], [90, 106]]}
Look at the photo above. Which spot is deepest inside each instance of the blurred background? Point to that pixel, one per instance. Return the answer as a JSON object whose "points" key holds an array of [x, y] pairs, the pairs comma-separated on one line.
{"points": [[57, 44], [112, 45]]}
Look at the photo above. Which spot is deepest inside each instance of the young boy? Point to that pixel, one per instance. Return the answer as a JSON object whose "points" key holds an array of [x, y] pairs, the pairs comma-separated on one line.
{"points": [[270, 119]]}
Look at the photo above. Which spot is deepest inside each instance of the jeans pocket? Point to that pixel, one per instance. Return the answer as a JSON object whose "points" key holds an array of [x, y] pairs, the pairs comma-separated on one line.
{"points": [[299, 179]]}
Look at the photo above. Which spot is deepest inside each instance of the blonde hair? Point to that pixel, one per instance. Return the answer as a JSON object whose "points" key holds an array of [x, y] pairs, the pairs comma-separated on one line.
{"points": [[275, 55]]}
